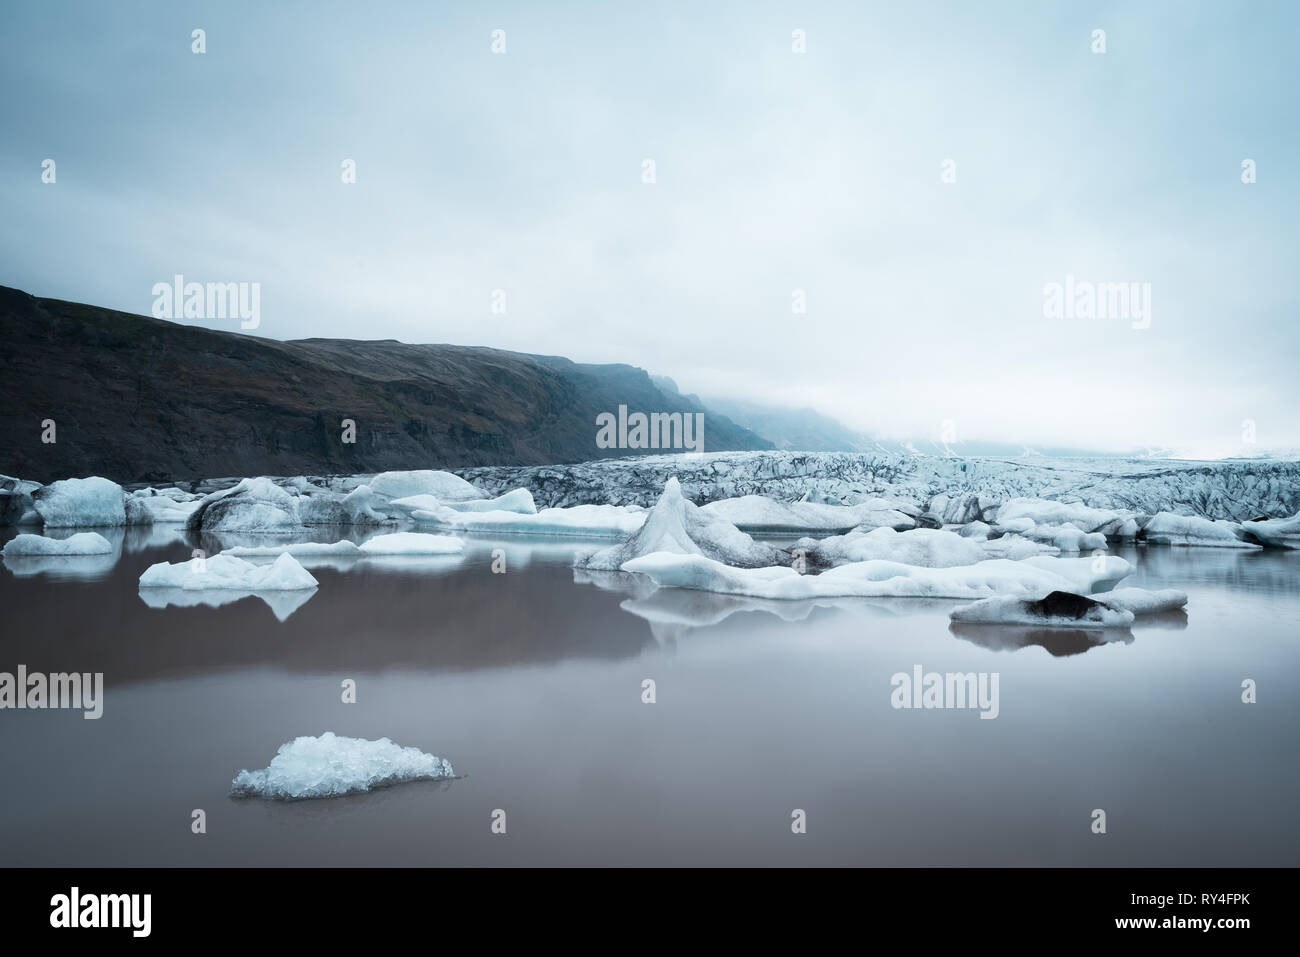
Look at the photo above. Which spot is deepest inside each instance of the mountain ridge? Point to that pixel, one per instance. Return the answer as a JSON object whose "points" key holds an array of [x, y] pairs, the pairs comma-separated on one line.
{"points": [[134, 398]]}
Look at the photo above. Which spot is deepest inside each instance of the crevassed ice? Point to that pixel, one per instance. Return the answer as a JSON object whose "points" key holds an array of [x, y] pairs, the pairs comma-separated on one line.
{"points": [[331, 766]]}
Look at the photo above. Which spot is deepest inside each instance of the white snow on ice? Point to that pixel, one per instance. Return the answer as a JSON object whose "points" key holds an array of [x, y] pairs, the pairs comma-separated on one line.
{"points": [[227, 571], [331, 766], [680, 527]]}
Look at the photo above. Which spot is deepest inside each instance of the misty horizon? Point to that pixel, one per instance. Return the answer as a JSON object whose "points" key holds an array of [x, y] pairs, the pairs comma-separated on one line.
{"points": [[866, 228]]}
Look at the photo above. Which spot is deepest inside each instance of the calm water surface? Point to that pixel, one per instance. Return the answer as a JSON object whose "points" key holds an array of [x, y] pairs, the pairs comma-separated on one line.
{"points": [[529, 682]]}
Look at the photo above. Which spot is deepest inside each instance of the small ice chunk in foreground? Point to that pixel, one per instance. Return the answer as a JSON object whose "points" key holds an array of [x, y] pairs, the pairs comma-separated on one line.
{"points": [[83, 543], [227, 571], [331, 766]]}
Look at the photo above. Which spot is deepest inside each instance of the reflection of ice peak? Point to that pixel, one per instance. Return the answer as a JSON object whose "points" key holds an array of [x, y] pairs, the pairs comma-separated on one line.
{"points": [[282, 603]]}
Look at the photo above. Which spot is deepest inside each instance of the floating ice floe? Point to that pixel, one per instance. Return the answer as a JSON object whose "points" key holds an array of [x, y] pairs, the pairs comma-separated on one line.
{"points": [[1046, 512], [1277, 532], [343, 549], [678, 526], [394, 543], [332, 766], [83, 543], [1056, 609], [1141, 601], [81, 503], [425, 506], [758, 513], [442, 485], [579, 521], [924, 547], [1016, 547], [1066, 537], [412, 543], [1170, 529], [227, 571], [1033, 576], [165, 507], [1062, 609], [16, 505]]}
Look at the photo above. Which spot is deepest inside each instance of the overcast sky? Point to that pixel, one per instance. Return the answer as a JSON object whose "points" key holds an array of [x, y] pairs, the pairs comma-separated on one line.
{"points": [[775, 171]]}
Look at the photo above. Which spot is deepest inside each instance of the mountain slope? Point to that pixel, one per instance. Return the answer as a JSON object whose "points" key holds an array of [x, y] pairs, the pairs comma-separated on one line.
{"points": [[140, 399]]}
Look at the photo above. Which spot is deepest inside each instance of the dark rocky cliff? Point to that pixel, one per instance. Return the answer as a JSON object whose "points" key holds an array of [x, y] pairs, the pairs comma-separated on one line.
{"points": [[140, 399]]}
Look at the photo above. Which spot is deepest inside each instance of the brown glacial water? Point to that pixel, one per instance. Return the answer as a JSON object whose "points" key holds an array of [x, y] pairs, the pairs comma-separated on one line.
{"points": [[530, 683]]}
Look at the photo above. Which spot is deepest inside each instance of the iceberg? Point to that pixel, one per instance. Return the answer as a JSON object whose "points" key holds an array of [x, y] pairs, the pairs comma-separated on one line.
{"points": [[1277, 532], [16, 505], [1016, 547], [441, 485], [254, 505], [364, 506], [168, 507], [1056, 609], [83, 543], [343, 549], [332, 766], [412, 543], [425, 506], [1067, 538], [1045, 512], [678, 526], [1140, 601], [227, 571], [1170, 529], [579, 521], [924, 547], [758, 513], [1062, 609], [875, 579], [81, 503]]}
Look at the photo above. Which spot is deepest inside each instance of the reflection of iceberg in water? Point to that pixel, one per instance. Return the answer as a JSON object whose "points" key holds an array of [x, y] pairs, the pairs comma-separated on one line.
{"points": [[1058, 642], [62, 567], [282, 603], [137, 538], [675, 612], [422, 564]]}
